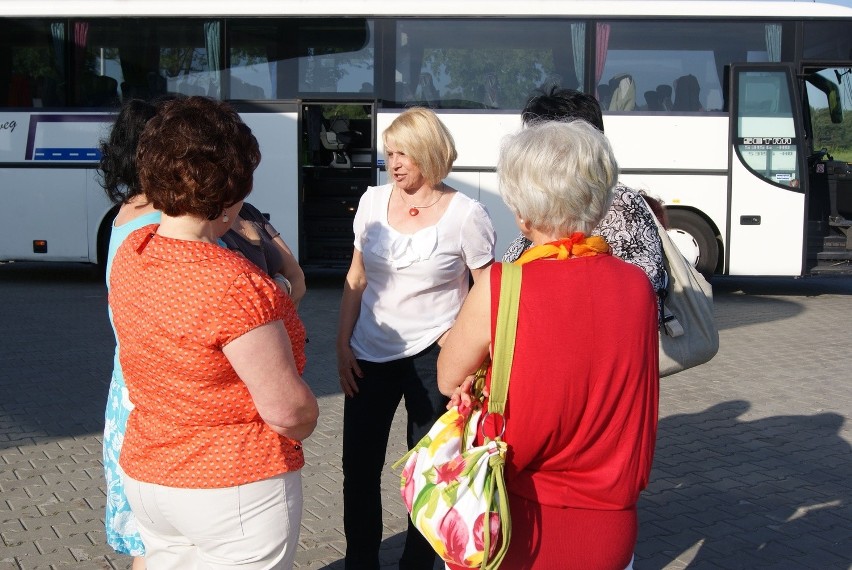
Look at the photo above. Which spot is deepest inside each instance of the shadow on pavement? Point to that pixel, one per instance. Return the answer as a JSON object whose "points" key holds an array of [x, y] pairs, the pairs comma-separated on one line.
{"points": [[56, 352], [728, 493]]}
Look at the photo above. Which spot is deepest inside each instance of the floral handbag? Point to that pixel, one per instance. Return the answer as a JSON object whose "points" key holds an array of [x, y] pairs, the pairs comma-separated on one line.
{"points": [[453, 489]]}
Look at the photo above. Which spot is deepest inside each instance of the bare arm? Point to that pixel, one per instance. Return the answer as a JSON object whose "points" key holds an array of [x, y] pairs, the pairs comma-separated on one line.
{"points": [[350, 307], [291, 270], [263, 359], [467, 343]]}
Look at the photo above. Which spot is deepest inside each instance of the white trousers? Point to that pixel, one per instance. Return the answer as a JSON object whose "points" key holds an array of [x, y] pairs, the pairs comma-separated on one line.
{"points": [[253, 526]]}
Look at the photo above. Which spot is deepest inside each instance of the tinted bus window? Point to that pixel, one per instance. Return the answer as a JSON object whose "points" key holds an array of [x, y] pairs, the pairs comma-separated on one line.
{"points": [[289, 58], [664, 66], [32, 63], [484, 64], [116, 59], [256, 48], [827, 41]]}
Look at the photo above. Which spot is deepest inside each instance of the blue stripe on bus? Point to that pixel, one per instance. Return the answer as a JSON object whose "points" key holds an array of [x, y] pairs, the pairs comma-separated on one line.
{"points": [[67, 154]]}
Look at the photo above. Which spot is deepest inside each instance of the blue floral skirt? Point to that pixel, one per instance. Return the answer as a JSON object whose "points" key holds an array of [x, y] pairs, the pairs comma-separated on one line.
{"points": [[121, 531]]}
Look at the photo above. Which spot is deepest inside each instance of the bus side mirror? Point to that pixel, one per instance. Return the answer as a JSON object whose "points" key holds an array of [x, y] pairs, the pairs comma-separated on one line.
{"points": [[832, 93]]}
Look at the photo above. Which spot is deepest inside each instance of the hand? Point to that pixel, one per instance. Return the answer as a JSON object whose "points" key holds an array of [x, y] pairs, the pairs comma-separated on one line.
{"points": [[462, 395], [347, 371]]}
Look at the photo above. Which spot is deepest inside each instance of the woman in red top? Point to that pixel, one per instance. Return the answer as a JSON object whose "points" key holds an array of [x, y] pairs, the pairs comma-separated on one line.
{"points": [[581, 411], [212, 353]]}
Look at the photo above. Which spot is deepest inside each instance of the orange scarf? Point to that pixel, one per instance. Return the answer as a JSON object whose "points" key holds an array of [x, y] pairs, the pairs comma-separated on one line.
{"points": [[577, 245]]}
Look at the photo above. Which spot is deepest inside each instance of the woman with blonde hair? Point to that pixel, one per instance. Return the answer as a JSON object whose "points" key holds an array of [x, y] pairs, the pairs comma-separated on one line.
{"points": [[581, 411], [417, 242]]}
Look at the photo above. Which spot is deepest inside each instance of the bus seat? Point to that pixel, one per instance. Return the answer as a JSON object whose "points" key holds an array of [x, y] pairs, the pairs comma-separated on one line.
{"points": [[652, 100], [623, 93], [686, 91], [336, 137], [665, 94]]}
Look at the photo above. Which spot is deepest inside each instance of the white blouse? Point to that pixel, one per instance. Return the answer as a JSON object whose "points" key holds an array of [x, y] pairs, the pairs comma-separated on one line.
{"points": [[415, 282]]}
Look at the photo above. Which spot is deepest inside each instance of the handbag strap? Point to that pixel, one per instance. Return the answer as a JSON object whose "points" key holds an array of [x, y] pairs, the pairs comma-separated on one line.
{"points": [[504, 337]]}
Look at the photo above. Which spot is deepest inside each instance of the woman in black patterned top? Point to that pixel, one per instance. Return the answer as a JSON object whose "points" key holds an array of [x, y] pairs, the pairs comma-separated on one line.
{"points": [[628, 226], [254, 237]]}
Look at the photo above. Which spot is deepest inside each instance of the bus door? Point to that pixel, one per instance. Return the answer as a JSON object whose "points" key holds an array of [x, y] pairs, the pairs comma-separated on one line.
{"points": [[337, 163], [766, 234]]}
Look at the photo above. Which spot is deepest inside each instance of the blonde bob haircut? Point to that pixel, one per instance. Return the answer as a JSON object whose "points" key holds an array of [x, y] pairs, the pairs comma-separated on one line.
{"points": [[558, 176], [420, 134]]}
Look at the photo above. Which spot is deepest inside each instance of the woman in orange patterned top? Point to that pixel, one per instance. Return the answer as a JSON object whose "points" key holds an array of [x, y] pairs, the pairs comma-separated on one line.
{"points": [[212, 352]]}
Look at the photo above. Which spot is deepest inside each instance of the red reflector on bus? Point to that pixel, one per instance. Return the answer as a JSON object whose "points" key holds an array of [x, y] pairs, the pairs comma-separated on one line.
{"points": [[39, 246]]}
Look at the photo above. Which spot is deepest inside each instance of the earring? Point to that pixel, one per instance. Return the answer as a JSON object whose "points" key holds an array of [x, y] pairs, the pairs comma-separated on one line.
{"points": [[225, 218]]}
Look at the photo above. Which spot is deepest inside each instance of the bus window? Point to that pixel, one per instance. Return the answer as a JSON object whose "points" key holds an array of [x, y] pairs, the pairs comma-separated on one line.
{"points": [[32, 65], [289, 58], [335, 56], [766, 135], [253, 56], [678, 67], [484, 63], [826, 41], [144, 58]]}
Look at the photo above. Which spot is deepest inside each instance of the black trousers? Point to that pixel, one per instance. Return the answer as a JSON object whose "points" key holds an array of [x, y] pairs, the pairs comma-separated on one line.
{"points": [[367, 421]]}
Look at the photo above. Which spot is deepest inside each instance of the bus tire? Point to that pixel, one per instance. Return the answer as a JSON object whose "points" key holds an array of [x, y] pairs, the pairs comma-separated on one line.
{"points": [[695, 239]]}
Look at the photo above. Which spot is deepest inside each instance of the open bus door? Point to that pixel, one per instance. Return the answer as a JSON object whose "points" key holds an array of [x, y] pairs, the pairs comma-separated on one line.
{"points": [[829, 169], [766, 233], [337, 164]]}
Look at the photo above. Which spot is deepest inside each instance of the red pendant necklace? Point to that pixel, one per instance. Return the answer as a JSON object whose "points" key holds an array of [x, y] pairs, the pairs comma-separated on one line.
{"points": [[414, 210]]}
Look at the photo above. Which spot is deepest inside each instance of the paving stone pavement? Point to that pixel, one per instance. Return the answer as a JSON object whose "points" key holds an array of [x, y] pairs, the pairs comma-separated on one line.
{"points": [[753, 467]]}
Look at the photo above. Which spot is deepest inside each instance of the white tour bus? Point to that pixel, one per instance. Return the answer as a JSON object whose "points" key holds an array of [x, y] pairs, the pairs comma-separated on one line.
{"points": [[730, 112]]}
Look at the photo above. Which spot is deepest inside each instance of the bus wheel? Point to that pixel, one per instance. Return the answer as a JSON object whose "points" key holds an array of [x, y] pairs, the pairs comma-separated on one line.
{"points": [[695, 239]]}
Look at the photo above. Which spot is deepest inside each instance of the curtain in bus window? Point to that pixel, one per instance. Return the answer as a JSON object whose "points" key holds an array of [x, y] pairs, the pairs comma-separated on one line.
{"points": [[213, 47], [773, 42], [138, 58], [578, 43], [81, 34], [51, 93], [601, 47]]}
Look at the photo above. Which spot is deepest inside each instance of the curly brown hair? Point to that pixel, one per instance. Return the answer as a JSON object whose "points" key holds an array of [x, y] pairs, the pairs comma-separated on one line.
{"points": [[196, 157]]}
